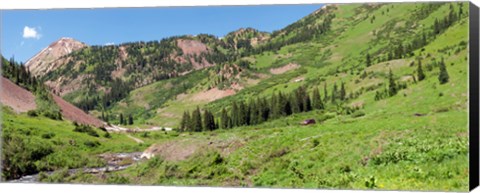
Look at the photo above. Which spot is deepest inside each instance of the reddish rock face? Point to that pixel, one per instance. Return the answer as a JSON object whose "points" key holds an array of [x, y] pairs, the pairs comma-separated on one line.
{"points": [[48, 59]]}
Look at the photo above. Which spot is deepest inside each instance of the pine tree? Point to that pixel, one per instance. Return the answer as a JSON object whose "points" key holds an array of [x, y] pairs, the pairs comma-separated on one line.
{"points": [[235, 115], [307, 104], [130, 120], [300, 96], [294, 103], [121, 119], [368, 60], [436, 26], [343, 93], [224, 119], [317, 99], [392, 86], [197, 120], [443, 77], [243, 114], [208, 121], [325, 93], [420, 73], [334, 92], [185, 123], [280, 105], [274, 106]]}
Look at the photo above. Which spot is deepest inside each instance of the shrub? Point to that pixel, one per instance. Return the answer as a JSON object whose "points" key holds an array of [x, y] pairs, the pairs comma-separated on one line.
{"points": [[371, 182], [107, 135], [358, 114], [32, 113], [48, 135], [19, 155], [57, 176], [53, 115], [325, 117], [315, 142], [91, 144], [117, 179], [86, 129]]}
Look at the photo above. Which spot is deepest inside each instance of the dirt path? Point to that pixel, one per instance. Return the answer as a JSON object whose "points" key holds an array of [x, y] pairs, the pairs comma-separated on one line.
{"points": [[118, 129], [135, 139]]}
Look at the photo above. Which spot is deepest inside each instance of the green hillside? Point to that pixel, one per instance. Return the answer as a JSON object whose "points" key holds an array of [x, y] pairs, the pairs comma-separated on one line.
{"points": [[385, 83], [416, 139]]}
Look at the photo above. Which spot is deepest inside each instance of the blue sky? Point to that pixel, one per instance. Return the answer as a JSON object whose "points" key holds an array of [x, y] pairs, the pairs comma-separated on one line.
{"points": [[26, 32]]}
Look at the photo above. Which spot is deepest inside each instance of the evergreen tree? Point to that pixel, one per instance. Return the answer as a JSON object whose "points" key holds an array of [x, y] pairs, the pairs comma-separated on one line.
{"points": [[196, 120], [224, 119], [294, 103], [307, 104], [235, 115], [334, 92], [443, 76], [317, 99], [185, 123], [392, 86], [343, 93], [325, 93], [420, 73], [130, 120], [274, 106], [242, 112], [121, 119], [368, 60], [280, 105], [436, 26], [300, 96], [208, 121]]}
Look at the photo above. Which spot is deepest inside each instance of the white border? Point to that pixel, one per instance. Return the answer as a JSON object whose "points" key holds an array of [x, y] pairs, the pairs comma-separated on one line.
{"points": [[57, 4]]}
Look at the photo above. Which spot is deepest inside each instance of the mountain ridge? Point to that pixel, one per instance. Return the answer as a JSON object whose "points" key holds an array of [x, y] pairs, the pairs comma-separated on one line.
{"points": [[46, 60]]}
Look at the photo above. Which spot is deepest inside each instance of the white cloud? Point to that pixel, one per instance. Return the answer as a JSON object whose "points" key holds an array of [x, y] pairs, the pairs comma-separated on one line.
{"points": [[110, 43], [30, 32]]}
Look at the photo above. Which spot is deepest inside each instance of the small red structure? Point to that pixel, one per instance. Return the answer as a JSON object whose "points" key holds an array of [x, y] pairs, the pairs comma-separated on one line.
{"points": [[309, 122]]}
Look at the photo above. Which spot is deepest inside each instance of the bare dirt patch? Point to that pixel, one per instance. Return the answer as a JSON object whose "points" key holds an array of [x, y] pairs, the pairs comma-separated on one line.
{"points": [[73, 113], [18, 98], [181, 150], [172, 151], [212, 95], [283, 69], [190, 47]]}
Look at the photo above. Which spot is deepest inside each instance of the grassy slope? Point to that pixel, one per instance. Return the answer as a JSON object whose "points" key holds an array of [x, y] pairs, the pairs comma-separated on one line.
{"points": [[404, 152], [69, 148]]}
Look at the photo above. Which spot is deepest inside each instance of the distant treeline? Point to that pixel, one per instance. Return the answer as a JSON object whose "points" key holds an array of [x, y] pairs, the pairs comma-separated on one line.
{"points": [[263, 109]]}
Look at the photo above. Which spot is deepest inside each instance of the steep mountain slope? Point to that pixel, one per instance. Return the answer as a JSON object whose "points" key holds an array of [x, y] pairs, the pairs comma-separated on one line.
{"points": [[96, 76], [74, 114], [18, 98], [22, 100], [48, 59]]}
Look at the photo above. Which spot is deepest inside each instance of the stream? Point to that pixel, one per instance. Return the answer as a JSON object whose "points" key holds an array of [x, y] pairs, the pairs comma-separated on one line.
{"points": [[115, 162]]}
